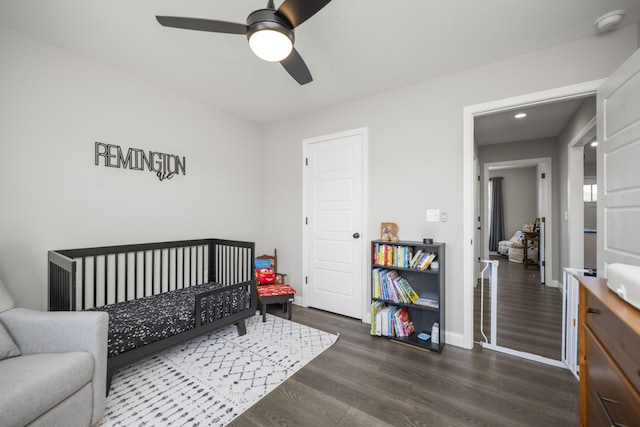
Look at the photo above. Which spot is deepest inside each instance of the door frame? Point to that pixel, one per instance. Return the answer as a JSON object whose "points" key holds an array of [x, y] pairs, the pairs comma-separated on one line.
{"points": [[575, 203], [363, 132], [468, 114]]}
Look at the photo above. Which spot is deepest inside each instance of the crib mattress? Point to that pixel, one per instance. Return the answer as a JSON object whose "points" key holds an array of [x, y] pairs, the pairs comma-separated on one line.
{"points": [[133, 324]]}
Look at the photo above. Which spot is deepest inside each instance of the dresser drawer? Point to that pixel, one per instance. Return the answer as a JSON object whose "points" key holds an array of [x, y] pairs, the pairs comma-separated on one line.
{"points": [[611, 398], [621, 342]]}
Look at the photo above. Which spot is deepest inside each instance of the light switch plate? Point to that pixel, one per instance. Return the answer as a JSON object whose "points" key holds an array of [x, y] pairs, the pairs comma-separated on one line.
{"points": [[433, 215]]}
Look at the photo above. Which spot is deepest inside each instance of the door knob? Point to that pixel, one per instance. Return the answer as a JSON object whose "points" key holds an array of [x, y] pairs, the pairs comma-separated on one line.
{"points": [[356, 235]]}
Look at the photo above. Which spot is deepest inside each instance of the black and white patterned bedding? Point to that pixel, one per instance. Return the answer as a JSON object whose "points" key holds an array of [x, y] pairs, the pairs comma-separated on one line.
{"points": [[133, 324]]}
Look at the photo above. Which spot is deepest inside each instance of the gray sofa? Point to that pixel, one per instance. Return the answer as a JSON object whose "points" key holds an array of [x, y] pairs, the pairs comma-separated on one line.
{"points": [[53, 366]]}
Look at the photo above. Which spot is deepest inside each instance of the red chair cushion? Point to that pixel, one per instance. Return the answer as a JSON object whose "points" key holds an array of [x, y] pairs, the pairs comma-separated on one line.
{"points": [[270, 290]]}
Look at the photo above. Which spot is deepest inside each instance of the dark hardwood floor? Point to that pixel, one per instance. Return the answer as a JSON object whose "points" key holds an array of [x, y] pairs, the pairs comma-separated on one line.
{"points": [[371, 381], [529, 313]]}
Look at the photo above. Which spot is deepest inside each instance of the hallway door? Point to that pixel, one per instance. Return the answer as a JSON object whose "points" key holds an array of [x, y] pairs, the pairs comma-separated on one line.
{"points": [[334, 224]]}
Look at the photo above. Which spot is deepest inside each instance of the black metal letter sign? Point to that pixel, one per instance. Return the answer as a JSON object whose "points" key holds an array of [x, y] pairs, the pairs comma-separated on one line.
{"points": [[164, 165]]}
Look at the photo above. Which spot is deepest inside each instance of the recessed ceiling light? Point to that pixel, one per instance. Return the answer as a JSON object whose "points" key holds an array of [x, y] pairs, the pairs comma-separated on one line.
{"points": [[594, 143], [609, 21], [520, 115]]}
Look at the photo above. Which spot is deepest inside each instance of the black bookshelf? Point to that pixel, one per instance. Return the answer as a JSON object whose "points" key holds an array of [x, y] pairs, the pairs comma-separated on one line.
{"points": [[427, 283]]}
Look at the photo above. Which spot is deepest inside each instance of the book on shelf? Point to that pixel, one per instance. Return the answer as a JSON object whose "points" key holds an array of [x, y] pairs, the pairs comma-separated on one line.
{"points": [[380, 315], [376, 307], [390, 321], [410, 293], [425, 261], [427, 302], [398, 293], [386, 320], [415, 257], [403, 326], [421, 260], [390, 286], [392, 255], [377, 284]]}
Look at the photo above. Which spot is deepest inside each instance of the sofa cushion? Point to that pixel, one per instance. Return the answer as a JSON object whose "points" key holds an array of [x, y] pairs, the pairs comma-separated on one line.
{"points": [[8, 348], [6, 302], [31, 385]]}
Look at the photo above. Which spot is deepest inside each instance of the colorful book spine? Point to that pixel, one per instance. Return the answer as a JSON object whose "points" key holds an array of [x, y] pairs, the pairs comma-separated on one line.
{"points": [[411, 294], [427, 302], [376, 307]]}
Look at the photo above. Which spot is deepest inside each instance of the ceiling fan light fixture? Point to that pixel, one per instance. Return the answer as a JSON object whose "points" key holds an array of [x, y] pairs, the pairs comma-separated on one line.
{"points": [[270, 45], [270, 35]]}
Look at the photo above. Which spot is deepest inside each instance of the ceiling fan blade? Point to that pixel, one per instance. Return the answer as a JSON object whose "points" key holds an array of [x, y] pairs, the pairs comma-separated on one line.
{"points": [[295, 66], [298, 11], [202, 25]]}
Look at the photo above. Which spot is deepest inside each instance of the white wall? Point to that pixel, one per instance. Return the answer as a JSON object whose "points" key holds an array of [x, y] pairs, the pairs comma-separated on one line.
{"points": [[519, 188], [520, 150], [570, 185], [54, 106], [417, 132]]}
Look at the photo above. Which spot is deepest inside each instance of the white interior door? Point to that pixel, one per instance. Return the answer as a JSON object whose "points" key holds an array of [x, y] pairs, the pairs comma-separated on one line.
{"points": [[541, 180], [618, 175], [477, 236], [335, 244]]}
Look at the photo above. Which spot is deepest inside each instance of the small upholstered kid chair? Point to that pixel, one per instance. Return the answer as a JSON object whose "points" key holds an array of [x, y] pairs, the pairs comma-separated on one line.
{"points": [[271, 286]]}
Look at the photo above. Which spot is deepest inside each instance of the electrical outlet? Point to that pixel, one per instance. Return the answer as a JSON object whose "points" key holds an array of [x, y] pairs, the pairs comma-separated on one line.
{"points": [[433, 215], [443, 216]]}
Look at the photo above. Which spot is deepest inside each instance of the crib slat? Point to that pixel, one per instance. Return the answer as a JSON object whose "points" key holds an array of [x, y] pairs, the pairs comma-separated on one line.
{"points": [[95, 282], [106, 279], [175, 263], [126, 276], [161, 277], [84, 279], [117, 256], [153, 272]]}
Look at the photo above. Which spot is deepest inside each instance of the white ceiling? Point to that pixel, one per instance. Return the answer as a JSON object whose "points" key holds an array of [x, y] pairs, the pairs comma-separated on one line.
{"points": [[542, 121], [354, 48]]}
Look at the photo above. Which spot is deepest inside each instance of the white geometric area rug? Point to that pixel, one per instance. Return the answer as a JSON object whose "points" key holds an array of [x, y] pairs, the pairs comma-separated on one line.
{"points": [[211, 380]]}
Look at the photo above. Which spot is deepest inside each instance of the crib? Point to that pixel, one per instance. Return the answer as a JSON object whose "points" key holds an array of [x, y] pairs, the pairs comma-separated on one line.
{"points": [[157, 294]]}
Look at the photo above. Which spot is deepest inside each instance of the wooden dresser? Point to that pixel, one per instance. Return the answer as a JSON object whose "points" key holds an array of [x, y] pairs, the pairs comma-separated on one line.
{"points": [[609, 357]]}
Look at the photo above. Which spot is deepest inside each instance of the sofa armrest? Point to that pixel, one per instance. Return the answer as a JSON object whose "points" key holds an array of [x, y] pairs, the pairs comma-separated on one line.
{"points": [[60, 332]]}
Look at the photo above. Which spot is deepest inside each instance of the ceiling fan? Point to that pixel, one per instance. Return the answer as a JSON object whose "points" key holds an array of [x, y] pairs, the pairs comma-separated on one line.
{"points": [[270, 32]]}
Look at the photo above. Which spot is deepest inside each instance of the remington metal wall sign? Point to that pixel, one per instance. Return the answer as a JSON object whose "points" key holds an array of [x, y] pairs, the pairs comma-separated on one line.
{"points": [[163, 165]]}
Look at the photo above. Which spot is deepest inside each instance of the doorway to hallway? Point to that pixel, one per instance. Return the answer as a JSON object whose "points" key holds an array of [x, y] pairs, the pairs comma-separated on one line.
{"points": [[470, 180]]}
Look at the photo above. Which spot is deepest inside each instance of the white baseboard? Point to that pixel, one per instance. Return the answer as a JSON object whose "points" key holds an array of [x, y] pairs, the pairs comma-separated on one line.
{"points": [[554, 284], [455, 339]]}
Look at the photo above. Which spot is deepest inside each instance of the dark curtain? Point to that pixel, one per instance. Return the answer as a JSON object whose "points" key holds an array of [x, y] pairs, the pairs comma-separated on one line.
{"points": [[496, 221]]}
